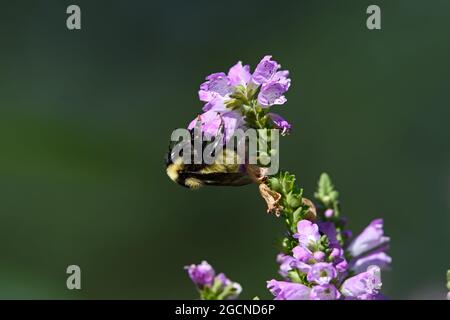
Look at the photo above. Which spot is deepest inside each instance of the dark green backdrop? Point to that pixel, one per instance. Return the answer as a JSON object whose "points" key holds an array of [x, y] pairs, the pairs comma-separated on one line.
{"points": [[86, 118]]}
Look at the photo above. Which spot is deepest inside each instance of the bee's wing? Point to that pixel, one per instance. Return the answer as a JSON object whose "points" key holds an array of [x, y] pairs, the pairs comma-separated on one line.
{"points": [[222, 178]]}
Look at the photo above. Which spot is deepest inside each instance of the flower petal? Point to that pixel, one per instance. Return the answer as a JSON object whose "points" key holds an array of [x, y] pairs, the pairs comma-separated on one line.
{"points": [[283, 290], [239, 74], [363, 284], [371, 237], [201, 274], [265, 70]]}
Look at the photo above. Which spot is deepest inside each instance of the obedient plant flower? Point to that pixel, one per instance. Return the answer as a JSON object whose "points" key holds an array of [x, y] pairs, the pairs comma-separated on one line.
{"points": [[307, 233], [201, 274], [280, 123], [372, 237], [286, 264], [283, 290], [321, 273], [217, 85], [329, 213], [210, 286], [329, 229], [303, 254], [265, 70], [220, 85], [324, 292], [319, 259], [272, 92], [365, 285], [315, 251], [247, 96], [239, 74], [234, 288], [378, 258]]}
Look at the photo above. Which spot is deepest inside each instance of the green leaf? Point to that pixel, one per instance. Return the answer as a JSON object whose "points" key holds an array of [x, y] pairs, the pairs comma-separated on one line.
{"points": [[293, 200], [297, 215], [326, 192], [287, 182], [294, 276], [275, 184]]}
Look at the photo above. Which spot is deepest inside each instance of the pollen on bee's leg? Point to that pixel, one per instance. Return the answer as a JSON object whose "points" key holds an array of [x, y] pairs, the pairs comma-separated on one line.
{"points": [[193, 183]]}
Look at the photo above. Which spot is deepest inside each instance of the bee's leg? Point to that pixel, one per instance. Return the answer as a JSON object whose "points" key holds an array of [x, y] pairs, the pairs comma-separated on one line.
{"points": [[219, 138], [222, 128]]}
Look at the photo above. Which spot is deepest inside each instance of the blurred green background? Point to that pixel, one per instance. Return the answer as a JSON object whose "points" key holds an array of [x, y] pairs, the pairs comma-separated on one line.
{"points": [[86, 116]]}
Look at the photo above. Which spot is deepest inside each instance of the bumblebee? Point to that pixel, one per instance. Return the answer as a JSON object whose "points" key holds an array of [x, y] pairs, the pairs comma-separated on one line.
{"points": [[218, 173]]}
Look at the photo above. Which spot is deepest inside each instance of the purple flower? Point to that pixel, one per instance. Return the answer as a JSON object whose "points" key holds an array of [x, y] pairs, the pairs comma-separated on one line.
{"points": [[322, 273], [223, 279], [371, 238], [329, 230], [319, 256], [201, 274], [211, 122], [283, 290], [286, 263], [378, 258], [302, 254], [307, 233], [237, 289], [280, 123], [329, 213], [272, 92], [217, 85], [336, 253], [347, 234], [342, 265], [216, 104], [324, 292], [301, 266], [225, 282], [232, 120], [216, 90], [377, 296], [364, 285], [265, 70], [239, 74]]}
